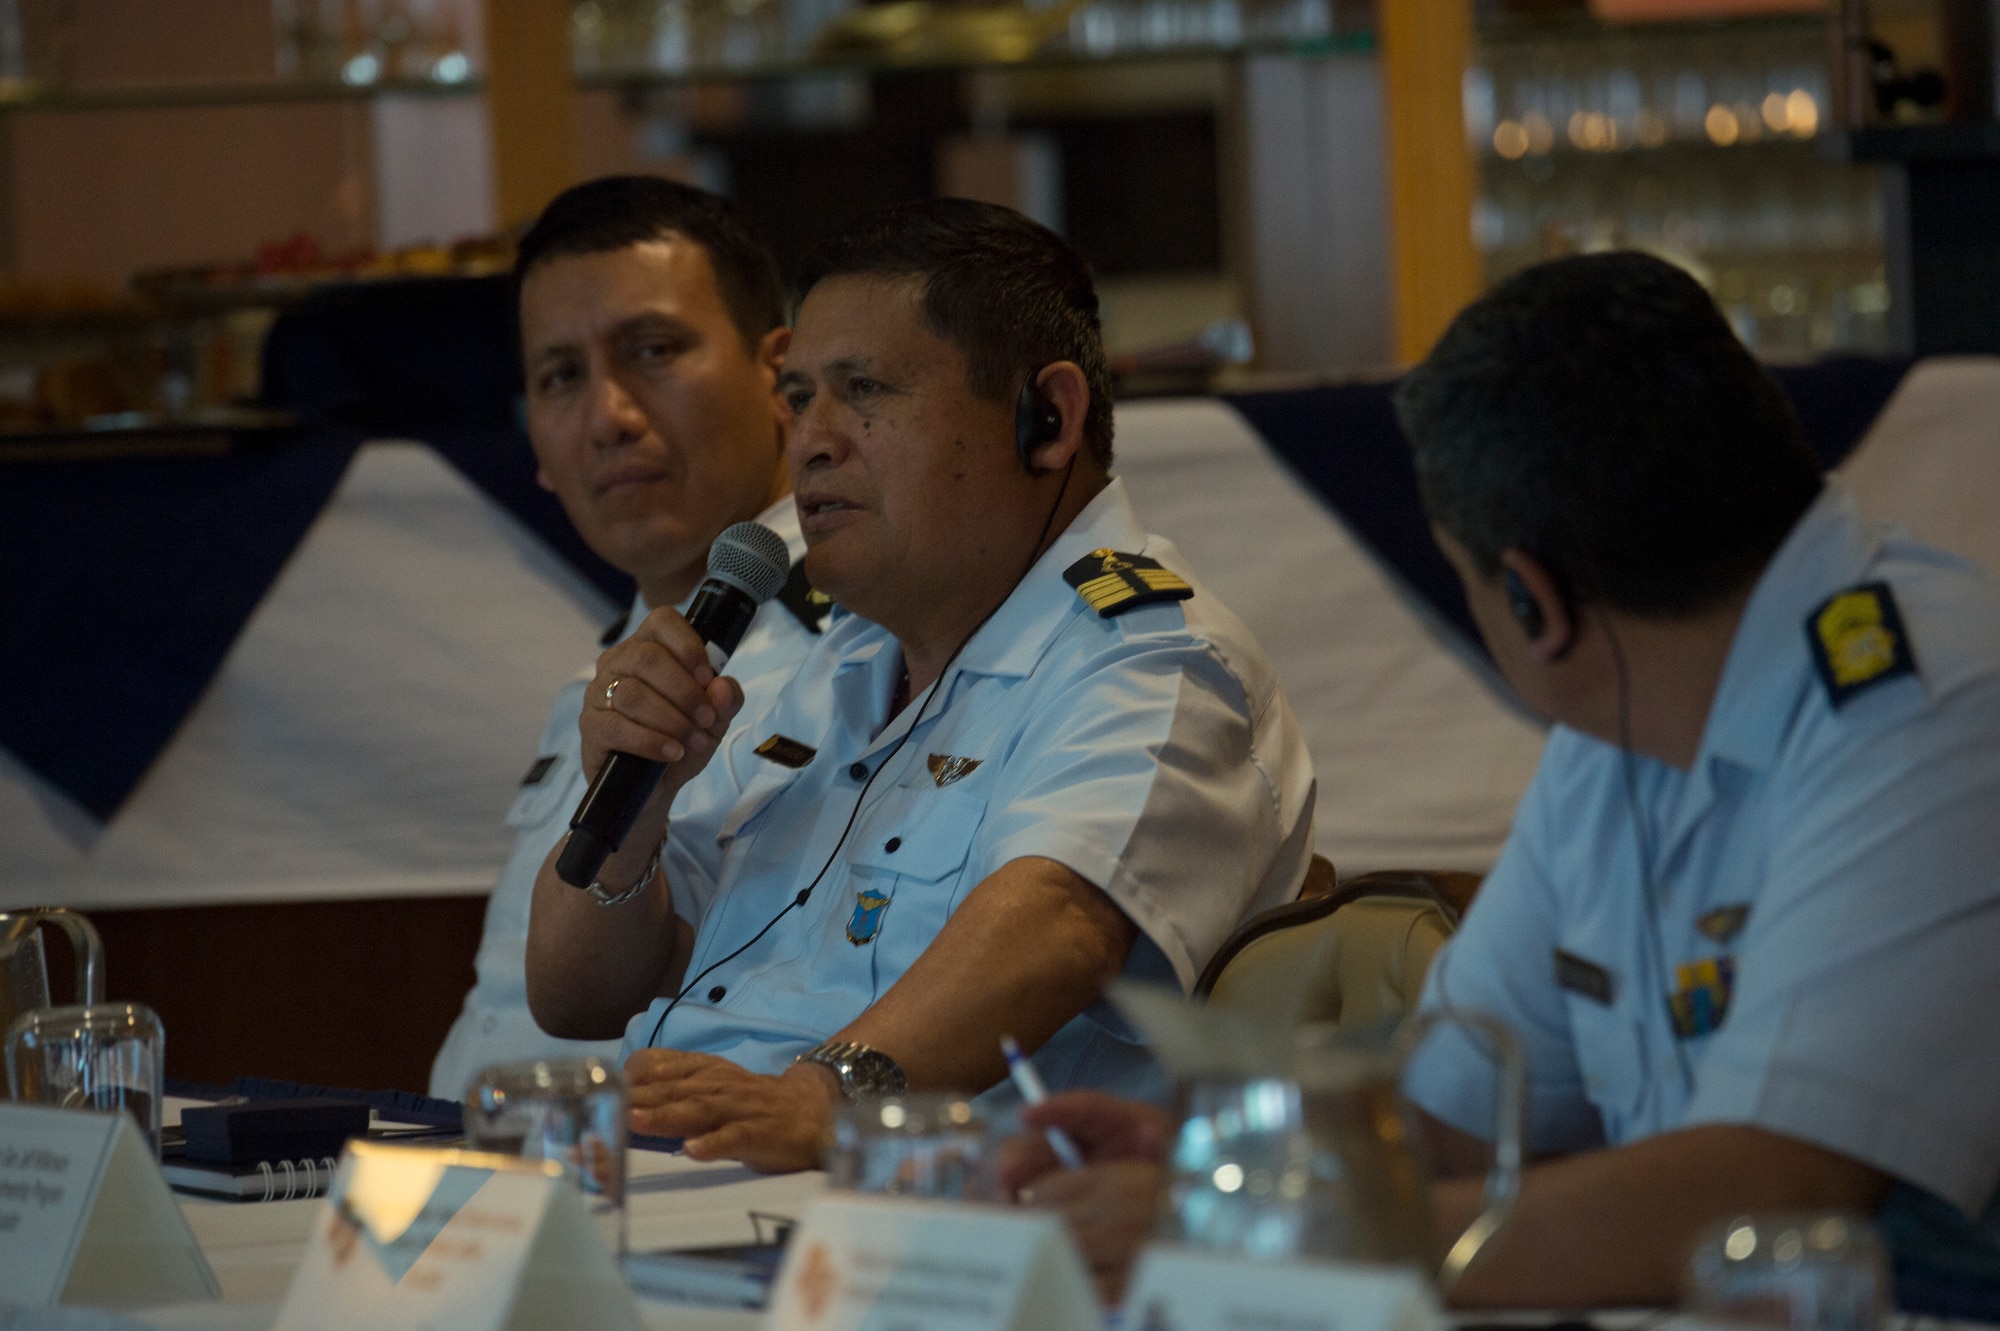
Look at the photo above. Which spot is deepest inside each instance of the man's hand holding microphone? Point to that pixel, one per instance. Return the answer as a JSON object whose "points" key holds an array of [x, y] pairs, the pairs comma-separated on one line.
{"points": [[655, 714]]}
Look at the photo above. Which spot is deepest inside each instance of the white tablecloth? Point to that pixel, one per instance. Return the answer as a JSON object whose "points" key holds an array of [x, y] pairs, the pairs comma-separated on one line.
{"points": [[366, 733], [364, 736]]}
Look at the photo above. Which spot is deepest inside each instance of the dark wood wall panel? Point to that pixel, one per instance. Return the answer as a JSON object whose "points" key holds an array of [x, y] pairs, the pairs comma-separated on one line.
{"points": [[338, 993]]}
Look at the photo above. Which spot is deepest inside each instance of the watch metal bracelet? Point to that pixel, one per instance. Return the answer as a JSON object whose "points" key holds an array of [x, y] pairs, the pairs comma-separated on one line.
{"points": [[863, 1072]]}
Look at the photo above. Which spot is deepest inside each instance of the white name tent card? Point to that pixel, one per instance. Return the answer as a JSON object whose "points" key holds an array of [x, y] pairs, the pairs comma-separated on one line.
{"points": [[1183, 1289], [881, 1264], [437, 1238], [87, 1218]]}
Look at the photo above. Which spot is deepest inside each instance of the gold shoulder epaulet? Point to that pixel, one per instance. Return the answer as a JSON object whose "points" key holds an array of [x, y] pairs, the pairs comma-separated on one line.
{"points": [[1111, 582]]}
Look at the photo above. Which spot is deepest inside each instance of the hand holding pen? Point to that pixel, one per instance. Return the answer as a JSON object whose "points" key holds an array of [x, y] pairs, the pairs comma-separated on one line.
{"points": [[1029, 1083]]}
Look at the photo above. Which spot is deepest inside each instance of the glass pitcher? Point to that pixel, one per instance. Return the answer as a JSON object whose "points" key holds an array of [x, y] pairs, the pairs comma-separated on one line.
{"points": [[24, 973], [1325, 1159]]}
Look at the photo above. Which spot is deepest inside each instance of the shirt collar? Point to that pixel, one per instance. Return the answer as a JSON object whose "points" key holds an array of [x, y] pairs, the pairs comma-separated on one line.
{"points": [[1829, 548], [1013, 640]]}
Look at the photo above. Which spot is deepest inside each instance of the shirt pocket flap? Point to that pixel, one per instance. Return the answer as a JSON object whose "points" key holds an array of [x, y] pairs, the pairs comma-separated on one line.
{"points": [[758, 793], [535, 803], [922, 833]]}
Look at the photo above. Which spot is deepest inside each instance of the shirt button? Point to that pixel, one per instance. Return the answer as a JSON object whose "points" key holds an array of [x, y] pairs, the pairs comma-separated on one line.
{"points": [[893, 844], [859, 771], [717, 994]]}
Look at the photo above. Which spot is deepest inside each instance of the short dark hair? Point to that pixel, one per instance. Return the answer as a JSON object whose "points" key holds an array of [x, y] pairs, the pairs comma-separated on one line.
{"points": [[612, 212], [1009, 293], [1599, 414]]}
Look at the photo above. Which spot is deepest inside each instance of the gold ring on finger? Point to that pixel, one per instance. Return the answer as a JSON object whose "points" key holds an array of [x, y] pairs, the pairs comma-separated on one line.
{"points": [[610, 703]]}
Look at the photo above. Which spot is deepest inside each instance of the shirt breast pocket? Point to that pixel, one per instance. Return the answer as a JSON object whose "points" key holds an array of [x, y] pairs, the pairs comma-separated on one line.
{"points": [[757, 797], [1611, 1057], [905, 874]]}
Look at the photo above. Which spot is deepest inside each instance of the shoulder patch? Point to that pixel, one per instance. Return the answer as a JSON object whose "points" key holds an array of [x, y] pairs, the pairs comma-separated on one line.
{"points": [[809, 607], [611, 635], [1857, 641], [1112, 583]]}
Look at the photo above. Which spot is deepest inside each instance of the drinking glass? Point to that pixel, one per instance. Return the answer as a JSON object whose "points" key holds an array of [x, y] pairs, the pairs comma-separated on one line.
{"points": [[106, 1056], [1808, 1272], [568, 1110], [1246, 1174], [933, 1146]]}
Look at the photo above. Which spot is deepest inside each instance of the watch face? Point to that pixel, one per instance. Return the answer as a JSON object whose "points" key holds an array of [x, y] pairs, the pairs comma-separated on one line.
{"points": [[874, 1073]]}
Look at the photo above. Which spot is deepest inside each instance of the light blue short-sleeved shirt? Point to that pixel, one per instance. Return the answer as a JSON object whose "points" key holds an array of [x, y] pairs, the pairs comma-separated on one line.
{"points": [[495, 1025], [1153, 753], [1830, 870]]}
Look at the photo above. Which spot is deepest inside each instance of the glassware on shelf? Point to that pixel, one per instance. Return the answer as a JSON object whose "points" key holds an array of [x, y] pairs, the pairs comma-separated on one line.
{"points": [[1692, 141], [364, 42], [1623, 90]]}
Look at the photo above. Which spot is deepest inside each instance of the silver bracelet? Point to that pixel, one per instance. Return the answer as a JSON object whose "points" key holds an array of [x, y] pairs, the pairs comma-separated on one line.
{"points": [[603, 897]]}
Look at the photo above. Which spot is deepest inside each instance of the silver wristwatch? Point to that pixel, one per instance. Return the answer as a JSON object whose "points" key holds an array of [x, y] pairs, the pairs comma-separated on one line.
{"points": [[864, 1073]]}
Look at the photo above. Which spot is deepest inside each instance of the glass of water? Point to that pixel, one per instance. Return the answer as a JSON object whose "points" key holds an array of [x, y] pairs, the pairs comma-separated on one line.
{"points": [[933, 1146], [104, 1056], [1809, 1272], [568, 1110]]}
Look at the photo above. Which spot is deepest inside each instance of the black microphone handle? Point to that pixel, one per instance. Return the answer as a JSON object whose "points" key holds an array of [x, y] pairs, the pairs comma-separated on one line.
{"points": [[720, 614], [604, 818]]}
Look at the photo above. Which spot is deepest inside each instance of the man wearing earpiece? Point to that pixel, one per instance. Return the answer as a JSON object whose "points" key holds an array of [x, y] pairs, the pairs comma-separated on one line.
{"points": [[1746, 921], [1030, 753]]}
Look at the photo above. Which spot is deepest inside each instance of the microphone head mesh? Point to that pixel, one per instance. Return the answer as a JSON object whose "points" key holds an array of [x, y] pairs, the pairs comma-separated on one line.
{"points": [[752, 557]]}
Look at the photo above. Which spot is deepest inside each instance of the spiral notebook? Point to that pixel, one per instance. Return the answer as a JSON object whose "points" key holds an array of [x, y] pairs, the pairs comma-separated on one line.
{"points": [[396, 1116], [265, 1181]]}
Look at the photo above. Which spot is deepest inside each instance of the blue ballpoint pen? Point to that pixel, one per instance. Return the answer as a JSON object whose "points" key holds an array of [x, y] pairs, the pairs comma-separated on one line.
{"points": [[1029, 1083]]}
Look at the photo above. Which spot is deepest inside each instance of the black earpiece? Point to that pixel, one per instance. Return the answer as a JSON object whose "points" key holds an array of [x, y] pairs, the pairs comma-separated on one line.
{"points": [[1526, 609], [1036, 422]]}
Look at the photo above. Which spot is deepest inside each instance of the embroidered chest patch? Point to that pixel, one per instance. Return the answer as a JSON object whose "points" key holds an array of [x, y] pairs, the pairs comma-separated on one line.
{"points": [[866, 921], [1701, 995], [1111, 582]]}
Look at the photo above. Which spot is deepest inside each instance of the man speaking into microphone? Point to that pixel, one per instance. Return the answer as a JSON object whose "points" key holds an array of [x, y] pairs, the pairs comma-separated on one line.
{"points": [[1030, 752]]}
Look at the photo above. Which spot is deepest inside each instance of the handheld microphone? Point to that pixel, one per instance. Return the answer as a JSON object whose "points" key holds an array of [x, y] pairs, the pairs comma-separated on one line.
{"points": [[746, 566]]}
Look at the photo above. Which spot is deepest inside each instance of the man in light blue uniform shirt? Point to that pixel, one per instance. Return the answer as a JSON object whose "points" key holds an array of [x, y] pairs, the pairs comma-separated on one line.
{"points": [[652, 330], [1036, 755], [1746, 923]]}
